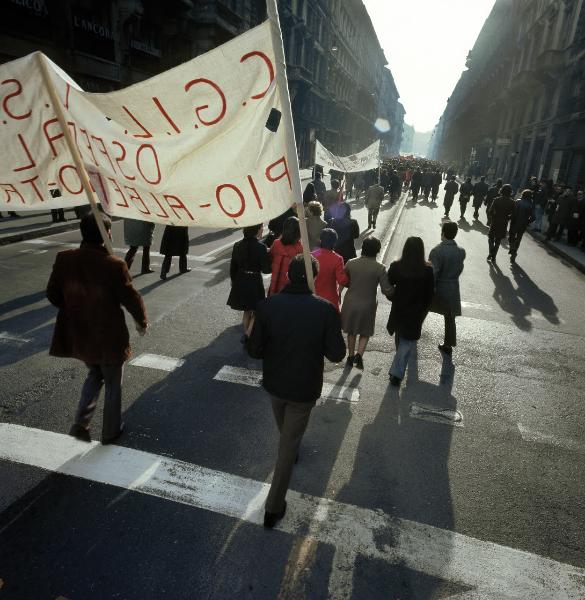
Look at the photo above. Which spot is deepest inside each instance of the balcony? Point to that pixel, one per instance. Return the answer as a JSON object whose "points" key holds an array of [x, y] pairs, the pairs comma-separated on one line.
{"points": [[549, 65]]}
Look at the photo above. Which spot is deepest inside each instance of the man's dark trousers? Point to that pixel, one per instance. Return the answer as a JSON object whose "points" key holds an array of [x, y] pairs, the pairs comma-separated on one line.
{"points": [[292, 419], [372, 216], [111, 375]]}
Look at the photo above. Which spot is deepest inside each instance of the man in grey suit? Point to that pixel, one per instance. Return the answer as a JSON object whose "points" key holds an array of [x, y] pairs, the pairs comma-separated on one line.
{"points": [[447, 259]]}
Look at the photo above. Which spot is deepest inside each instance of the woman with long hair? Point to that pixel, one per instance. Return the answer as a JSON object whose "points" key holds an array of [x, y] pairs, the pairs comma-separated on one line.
{"points": [[282, 251], [413, 284], [249, 260]]}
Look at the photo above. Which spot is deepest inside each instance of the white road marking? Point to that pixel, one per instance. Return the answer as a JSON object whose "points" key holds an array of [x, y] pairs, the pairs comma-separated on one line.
{"points": [[476, 306], [156, 361], [529, 435], [11, 338], [444, 416], [219, 250], [253, 377], [490, 569], [204, 258]]}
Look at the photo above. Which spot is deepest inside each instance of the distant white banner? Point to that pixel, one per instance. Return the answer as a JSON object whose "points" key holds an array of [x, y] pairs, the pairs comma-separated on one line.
{"points": [[362, 161], [201, 144]]}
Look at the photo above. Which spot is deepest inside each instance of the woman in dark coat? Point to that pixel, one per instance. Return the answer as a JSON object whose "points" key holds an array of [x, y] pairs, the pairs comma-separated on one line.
{"points": [[249, 260], [414, 283], [175, 242], [347, 230], [138, 233]]}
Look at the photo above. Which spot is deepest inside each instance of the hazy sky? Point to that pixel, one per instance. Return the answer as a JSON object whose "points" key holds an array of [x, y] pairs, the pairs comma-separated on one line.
{"points": [[426, 43]]}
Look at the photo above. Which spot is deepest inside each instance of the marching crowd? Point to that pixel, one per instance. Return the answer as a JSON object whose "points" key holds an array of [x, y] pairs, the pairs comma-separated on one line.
{"points": [[289, 327]]}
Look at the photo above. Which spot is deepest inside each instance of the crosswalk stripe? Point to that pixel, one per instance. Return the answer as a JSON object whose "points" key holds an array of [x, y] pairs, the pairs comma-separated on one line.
{"points": [[156, 361], [253, 378], [489, 569]]}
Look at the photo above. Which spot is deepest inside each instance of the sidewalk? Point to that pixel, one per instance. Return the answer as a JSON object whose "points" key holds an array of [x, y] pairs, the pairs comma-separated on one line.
{"points": [[573, 255], [29, 225]]}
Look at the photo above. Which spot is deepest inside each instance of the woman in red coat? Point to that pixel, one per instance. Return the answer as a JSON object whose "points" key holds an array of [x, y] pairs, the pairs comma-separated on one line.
{"points": [[282, 251], [332, 277]]}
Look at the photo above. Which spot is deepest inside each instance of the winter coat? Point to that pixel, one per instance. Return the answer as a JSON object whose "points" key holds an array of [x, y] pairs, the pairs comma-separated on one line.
{"points": [[358, 313], [347, 230], [315, 226], [309, 194], [281, 256], [275, 225], [451, 188], [89, 287], [465, 192], [138, 233], [293, 332], [175, 241], [410, 302], [374, 197], [522, 215], [447, 259], [331, 275], [563, 210], [500, 213], [480, 190], [249, 260]]}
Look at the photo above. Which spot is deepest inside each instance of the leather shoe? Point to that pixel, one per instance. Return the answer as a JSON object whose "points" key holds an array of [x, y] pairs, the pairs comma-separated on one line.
{"points": [[187, 270], [146, 271], [80, 432], [270, 519], [448, 350], [395, 381]]}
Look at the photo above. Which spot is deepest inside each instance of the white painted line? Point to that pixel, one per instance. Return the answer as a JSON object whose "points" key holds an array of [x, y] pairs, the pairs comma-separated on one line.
{"points": [[537, 437], [476, 306], [253, 378], [10, 337], [192, 257], [219, 250], [155, 361], [491, 570], [445, 416]]}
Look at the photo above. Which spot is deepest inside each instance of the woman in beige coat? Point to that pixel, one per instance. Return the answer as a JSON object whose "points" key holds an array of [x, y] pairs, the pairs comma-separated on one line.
{"points": [[358, 313]]}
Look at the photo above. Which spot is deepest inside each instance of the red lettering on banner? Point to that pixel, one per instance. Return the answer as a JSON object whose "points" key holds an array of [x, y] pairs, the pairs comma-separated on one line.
{"points": [[165, 114], [13, 94], [102, 194], [10, 189], [62, 172], [146, 133], [285, 173], [88, 145], [179, 204], [121, 158], [203, 107], [134, 195], [138, 153], [50, 139], [255, 191], [35, 188], [118, 189], [103, 150], [165, 215], [31, 163], [270, 70], [218, 191]]}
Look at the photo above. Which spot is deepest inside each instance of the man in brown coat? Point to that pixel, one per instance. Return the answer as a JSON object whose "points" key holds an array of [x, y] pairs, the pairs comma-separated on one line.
{"points": [[89, 287]]}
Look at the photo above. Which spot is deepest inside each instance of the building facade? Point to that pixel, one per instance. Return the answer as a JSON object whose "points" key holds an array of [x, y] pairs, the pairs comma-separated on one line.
{"points": [[519, 108], [336, 69]]}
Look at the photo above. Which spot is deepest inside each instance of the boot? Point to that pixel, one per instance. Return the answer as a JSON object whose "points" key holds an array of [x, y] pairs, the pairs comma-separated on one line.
{"points": [[166, 265]]}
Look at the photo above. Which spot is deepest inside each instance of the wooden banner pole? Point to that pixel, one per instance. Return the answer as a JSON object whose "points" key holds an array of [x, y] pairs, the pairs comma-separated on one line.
{"points": [[56, 103], [287, 121]]}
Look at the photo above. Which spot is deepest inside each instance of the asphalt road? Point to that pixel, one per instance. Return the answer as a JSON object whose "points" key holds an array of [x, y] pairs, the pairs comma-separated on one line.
{"points": [[384, 503]]}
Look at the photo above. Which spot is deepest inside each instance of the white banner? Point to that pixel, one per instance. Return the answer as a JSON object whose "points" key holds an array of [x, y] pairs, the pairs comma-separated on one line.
{"points": [[201, 144], [362, 161]]}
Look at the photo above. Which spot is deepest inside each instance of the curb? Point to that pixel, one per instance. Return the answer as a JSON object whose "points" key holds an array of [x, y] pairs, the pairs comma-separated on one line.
{"points": [[394, 225], [21, 236], [580, 265]]}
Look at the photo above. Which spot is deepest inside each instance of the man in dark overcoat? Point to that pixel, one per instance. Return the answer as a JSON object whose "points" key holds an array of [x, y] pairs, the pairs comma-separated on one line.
{"points": [[451, 188], [293, 332], [480, 191], [499, 213], [90, 287], [447, 259]]}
